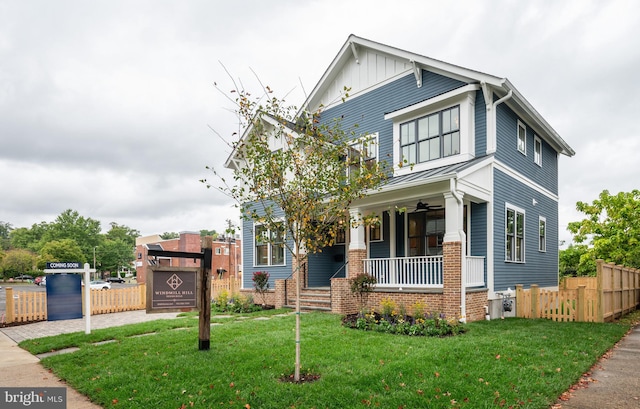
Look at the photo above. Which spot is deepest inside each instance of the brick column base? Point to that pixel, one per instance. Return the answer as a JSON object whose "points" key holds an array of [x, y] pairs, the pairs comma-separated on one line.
{"points": [[279, 296], [356, 265], [452, 279], [342, 300]]}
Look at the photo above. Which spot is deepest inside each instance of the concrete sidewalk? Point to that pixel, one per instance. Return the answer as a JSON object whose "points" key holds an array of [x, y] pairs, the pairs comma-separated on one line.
{"points": [[18, 368], [615, 381]]}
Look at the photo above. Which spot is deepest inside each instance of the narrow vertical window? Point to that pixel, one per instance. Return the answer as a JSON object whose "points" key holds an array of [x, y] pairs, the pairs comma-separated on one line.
{"points": [[537, 151], [375, 231], [514, 237], [522, 138], [542, 234]]}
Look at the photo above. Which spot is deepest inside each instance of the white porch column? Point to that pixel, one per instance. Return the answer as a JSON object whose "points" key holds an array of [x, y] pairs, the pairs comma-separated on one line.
{"points": [[357, 233], [392, 233], [452, 218]]}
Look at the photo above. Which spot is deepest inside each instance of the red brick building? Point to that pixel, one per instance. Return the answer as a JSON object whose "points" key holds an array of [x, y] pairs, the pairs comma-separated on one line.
{"points": [[226, 260]]}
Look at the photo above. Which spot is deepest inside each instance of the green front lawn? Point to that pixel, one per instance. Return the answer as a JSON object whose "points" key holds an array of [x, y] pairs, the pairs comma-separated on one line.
{"points": [[503, 363]]}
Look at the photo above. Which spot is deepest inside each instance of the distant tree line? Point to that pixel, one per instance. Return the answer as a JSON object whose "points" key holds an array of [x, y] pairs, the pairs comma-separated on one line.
{"points": [[70, 237]]}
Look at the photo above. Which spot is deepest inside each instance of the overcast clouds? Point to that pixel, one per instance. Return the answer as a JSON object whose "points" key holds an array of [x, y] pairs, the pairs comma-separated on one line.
{"points": [[105, 106]]}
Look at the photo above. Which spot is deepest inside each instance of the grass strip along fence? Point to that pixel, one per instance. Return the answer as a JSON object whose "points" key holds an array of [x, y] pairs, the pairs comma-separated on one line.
{"points": [[513, 363]]}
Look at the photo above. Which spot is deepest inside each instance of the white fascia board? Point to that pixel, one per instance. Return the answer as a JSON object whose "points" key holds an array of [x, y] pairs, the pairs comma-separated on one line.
{"points": [[420, 61], [231, 162], [410, 110], [525, 180]]}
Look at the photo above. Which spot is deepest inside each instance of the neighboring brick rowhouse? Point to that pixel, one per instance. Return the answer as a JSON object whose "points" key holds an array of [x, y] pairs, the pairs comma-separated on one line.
{"points": [[452, 278], [227, 254], [189, 242]]}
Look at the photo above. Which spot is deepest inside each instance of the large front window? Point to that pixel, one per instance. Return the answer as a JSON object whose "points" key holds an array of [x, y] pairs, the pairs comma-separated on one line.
{"points": [[426, 233], [514, 246], [269, 246], [431, 137]]}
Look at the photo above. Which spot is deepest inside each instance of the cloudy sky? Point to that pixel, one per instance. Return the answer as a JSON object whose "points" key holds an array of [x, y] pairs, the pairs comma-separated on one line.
{"points": [[107, 107]]}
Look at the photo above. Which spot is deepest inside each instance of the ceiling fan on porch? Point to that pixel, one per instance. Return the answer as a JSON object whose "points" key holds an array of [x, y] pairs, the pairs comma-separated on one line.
{"points": [[423, 207]]}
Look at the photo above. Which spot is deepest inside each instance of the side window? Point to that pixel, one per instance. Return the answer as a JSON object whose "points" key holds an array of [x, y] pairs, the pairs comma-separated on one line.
{"points": [[364, 152], [514, 237], [542, 234], [537, 150], [522, 138]]}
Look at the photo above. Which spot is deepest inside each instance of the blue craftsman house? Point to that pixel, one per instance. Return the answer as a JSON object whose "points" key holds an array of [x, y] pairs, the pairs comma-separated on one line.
{"points": [[474, 209]]}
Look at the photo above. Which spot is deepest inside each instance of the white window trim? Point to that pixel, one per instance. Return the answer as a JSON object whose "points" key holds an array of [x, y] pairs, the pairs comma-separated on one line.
{"points": [[218, 251], [255, 263], [520, 210], [523, 126], [464, 97], [537, 156], [543, 248], [372, 140]]}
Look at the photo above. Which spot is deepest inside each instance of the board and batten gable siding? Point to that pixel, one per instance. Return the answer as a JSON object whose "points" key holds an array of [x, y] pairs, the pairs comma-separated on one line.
{"points": [[507, 151], [539, 267], [367, 109], [371, 68], [248, 260], [481, 125]]}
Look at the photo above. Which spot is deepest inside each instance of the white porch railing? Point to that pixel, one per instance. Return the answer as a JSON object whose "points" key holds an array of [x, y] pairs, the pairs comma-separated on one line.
{"points": [[475, 271], [422, 271]]}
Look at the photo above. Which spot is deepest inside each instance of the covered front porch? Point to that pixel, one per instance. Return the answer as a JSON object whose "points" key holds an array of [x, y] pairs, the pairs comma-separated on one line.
{"points": [[421, 271]]}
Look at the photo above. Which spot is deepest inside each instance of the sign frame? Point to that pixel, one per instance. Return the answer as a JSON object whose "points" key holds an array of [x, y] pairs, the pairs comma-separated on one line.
{"points": [[189, 275]]}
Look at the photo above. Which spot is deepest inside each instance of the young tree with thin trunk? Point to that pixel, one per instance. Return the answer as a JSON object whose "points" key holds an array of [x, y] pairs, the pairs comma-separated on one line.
{"points": [[296, 174]]}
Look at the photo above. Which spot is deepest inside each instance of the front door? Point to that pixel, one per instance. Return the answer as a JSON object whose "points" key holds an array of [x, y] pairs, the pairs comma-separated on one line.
{"points": [[426, 233]]}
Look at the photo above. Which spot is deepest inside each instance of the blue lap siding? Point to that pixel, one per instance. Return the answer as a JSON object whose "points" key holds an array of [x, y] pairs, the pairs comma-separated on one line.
{"points": [[539, 267]]}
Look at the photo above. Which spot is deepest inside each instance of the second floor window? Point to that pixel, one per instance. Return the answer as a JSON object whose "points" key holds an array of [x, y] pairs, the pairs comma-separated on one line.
{"points": [[537, 151], [431, 137], [522, 138], [364, 152]]}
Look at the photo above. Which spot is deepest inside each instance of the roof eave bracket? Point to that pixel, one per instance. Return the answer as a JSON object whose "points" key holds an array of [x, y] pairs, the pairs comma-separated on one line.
{"points": [[418, 73], [354, 50]]}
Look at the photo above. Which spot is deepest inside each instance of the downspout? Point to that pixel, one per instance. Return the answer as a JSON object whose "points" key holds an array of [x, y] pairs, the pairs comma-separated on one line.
{"points": [[463, 250], [491, 114], [501, 100]]}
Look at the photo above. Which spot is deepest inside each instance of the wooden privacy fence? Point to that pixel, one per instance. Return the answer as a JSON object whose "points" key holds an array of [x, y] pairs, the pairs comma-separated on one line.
{"points": [[27, 306], [614, 292], [231, 285]]}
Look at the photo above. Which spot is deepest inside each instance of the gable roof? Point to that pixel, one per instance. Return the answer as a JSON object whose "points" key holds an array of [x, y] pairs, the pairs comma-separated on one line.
{"points": [[388, 63]]}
